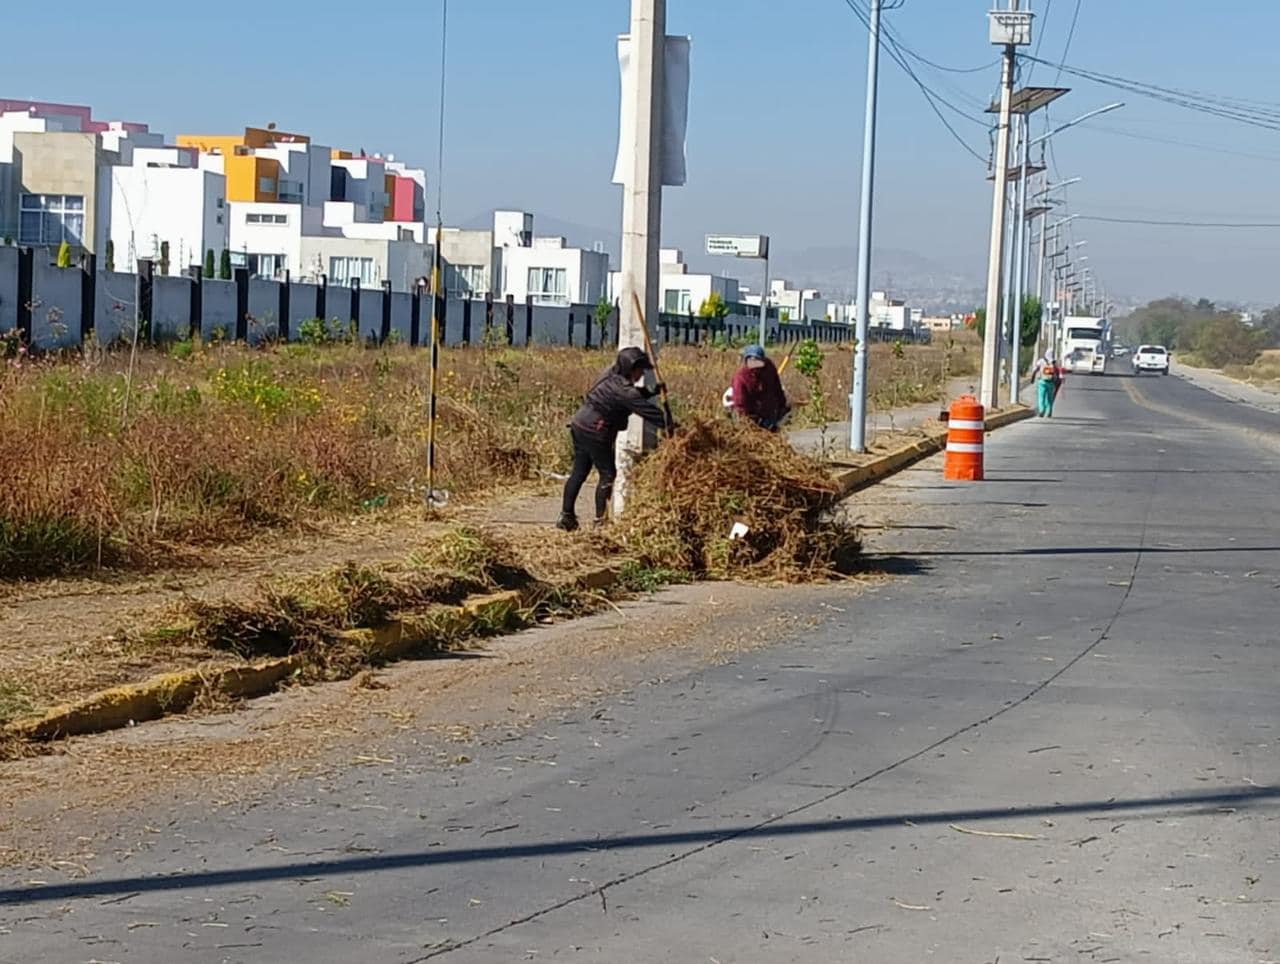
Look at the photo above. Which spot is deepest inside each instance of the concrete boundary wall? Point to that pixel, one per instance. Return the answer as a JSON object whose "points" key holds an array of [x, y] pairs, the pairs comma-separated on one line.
{"points": [[8, 288], [56, 294]]}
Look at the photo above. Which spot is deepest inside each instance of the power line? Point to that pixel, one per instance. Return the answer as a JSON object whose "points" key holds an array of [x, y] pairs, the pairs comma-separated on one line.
{"points": [[895, 50], [1175, 142], [932, 97], [444, 34], [1043, 29], [887, 31], [1071, 35], [1254, 114], [1180, 224]]}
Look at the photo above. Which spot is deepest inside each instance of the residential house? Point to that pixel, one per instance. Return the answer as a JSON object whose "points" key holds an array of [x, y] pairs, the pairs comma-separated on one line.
{"points": [[552, 273], [795, 305], [165, 207], [51, 161], [312, 211], [684, 291]]}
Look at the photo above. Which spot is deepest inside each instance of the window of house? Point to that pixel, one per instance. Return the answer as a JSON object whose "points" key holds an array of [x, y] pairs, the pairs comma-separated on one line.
{"points": [[549, 284], [261, 265], [469, 279], [290, 192], [676, 302], [46, 219], [267, 185], [254, 218], [342, 271], [221, 203]]}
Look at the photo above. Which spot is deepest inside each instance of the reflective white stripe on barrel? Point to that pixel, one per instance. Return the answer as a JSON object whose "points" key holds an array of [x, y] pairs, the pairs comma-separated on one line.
{"points": [[966, 447], [966, 423]]}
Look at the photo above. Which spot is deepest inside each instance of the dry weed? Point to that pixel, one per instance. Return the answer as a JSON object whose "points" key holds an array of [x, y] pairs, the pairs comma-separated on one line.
{"points": [[727, 500], [224, 440]]}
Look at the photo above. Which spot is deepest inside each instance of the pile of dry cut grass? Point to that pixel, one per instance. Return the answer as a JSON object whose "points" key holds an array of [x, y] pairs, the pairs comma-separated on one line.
{"points": [[687, 497], [285, 616]]}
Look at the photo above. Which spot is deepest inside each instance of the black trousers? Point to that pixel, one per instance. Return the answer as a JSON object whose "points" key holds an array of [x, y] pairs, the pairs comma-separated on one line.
{"points": [[591, 451]]}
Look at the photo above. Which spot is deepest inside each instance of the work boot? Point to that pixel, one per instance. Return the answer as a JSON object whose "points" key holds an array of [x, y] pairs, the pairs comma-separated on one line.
{"points": [[567, 521]]}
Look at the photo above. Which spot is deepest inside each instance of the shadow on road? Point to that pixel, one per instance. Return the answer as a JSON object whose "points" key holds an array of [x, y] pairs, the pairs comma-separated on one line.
{"points": [[1188, 803], [895, 564]]}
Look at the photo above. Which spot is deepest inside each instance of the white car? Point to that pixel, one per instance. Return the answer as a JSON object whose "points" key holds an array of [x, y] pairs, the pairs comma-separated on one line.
{"points": [[1151, 358]]}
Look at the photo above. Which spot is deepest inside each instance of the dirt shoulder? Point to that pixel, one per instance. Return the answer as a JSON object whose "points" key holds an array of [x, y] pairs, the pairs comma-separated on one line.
{"points": [[62, 810], [63, 640], [1257, 385]]}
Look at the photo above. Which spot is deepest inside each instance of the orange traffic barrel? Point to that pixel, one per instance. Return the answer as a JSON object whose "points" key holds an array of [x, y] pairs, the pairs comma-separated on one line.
{"points": [[966, 427]]}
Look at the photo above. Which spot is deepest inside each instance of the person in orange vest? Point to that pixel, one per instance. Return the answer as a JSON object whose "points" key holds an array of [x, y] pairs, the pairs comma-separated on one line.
{"points": [[1048, 378]]}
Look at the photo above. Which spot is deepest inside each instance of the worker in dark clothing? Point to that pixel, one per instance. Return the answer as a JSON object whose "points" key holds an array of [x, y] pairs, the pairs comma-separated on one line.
{"points": [[757, 390], [617, 395]]}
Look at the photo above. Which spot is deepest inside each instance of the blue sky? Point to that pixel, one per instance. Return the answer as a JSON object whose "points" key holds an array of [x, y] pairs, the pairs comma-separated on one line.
{"points": [[775, 117]]}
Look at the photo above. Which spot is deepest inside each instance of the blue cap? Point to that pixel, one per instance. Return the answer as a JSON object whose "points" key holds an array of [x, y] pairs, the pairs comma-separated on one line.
{"points": [[753, 351]]}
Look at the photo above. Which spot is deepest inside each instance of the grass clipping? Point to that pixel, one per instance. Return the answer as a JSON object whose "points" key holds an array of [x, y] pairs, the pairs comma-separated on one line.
{"points": [[286, 616], [714, 477]]}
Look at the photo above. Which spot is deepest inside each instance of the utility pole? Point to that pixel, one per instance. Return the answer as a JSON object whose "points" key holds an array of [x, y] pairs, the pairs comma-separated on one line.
{"points": [[641, 207], [1008, 28], [764, 302], [1044, 223], [1016, 133], [858, 398], [1020, 264]]}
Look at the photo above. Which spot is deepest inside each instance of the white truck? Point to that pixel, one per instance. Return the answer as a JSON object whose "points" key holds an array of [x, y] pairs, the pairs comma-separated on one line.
{"points": [[1085, 345], [1151, 358]]}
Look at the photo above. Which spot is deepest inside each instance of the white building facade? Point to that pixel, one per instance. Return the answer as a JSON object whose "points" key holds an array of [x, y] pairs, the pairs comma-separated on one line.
{"points": [[552, 273], [164, 207]]}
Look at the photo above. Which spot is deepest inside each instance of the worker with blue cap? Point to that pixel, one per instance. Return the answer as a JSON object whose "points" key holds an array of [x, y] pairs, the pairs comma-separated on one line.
{"points": [[757, 390]]}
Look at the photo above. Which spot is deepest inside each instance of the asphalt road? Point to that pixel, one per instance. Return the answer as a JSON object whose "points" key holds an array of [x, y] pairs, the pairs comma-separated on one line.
{"points": [[1054, 737]]}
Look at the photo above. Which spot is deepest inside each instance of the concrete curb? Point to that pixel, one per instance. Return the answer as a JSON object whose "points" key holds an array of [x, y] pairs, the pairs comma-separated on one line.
{"points": [[851, 480], [437, 630]]}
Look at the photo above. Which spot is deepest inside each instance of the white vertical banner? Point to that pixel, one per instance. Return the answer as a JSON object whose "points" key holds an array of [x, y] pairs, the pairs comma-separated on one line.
{"points": [[675, 112]]}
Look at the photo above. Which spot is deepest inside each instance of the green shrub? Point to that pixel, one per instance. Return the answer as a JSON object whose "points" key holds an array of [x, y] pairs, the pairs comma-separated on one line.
{"points": [[1228, 341]]}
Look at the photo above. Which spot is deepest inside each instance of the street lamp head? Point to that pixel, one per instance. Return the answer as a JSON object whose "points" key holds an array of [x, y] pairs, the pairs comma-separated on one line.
{"points": [[1053, 187], [1079, 120]]}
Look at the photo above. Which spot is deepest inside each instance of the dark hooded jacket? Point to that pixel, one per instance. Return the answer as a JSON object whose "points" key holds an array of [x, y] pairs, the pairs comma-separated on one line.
{"points": [[613, 399]]}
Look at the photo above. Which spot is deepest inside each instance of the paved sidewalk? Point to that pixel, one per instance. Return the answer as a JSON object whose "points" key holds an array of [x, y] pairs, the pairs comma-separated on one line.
{"points": [[834, 440], [1227, 387]]}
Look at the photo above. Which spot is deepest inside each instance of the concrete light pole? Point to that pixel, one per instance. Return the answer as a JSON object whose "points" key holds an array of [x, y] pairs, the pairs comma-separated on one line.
{"points": [[1009, 29], [641, 207], [1016, 134], [858, 397], [1020, 264], [1044, 225]]}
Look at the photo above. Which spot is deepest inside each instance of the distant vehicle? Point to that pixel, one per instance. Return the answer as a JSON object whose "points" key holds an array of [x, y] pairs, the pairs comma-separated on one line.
{"points": [[1151, 358], [1085, 344], [1119, 351]]}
